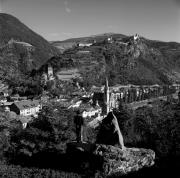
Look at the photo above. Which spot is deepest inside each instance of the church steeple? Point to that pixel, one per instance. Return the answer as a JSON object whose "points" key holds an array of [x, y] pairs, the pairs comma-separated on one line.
{"points": [[106, 97]]}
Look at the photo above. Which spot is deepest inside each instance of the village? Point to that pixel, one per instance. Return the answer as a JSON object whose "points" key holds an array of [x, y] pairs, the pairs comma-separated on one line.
{"points": [[94, 105], [89, 89]]}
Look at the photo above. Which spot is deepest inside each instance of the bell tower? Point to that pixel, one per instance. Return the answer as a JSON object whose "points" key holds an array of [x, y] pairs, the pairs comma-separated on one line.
{"points": [[50, 72], [106, 97]]}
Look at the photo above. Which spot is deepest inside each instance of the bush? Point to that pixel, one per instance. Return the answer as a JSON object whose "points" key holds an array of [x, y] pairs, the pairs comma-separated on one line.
{"points": [[156, 128], [12, 171], [159, 128], [48, 134]]}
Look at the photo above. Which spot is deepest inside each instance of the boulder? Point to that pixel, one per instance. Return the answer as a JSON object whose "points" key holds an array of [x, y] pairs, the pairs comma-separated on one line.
{"points": [[121, 162], [111, 160]]}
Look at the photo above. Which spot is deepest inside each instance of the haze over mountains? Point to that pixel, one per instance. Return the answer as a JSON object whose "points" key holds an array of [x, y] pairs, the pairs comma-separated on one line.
{"points": [[124, 60]]}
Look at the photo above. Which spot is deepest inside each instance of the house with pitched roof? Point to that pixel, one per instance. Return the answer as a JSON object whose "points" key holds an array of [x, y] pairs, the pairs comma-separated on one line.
{"points": [[26, 107], [87, 110]]}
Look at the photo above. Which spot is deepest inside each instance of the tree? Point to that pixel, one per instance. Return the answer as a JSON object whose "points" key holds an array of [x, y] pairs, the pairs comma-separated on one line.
{"points": [[47, 134], [158, 128], [8, 122]]}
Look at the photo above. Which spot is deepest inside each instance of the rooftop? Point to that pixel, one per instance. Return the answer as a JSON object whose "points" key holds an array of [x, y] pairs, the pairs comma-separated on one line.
{"points": [[87, 107], [25, 104]]}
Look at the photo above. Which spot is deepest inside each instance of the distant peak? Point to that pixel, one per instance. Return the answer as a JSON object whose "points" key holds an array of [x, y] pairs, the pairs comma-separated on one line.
{"points": [[104, 34]]}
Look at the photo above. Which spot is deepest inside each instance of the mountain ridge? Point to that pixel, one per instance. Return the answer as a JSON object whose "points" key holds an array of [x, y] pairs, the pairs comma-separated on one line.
{"points": [[13, 28], [130, 59]]}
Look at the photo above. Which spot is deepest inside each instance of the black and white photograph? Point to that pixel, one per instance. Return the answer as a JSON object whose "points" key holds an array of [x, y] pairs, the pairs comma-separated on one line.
{"points": [[89, 88]]}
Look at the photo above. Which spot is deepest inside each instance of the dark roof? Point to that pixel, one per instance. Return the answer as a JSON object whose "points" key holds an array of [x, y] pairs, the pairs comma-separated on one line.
{"points": [[25, 104], [87, 107]]}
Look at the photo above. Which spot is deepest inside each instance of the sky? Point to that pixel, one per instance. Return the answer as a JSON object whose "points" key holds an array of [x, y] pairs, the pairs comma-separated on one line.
{"points": [[63, 19]]}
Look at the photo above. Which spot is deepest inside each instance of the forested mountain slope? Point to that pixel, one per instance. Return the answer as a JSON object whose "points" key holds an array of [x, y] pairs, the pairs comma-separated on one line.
{"points": [[20, 47], [125, 59]]}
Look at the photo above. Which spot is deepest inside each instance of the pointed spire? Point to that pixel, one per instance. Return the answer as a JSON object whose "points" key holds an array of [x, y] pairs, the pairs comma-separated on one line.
{"points": [[106, 94], [107, 83]]}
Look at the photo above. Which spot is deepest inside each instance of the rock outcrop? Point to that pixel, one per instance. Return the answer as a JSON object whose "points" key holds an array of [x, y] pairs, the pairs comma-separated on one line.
{"points": [[121, 162], [111, 160]]}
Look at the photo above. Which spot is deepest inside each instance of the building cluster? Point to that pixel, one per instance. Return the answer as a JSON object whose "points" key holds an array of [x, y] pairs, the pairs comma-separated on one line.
{"points": [[82, 103], [93, 105], [84, 44], [63, 75], [136, 37], [25, 107], [96, 104], [22, 107], [109, 39], [112, 97]]}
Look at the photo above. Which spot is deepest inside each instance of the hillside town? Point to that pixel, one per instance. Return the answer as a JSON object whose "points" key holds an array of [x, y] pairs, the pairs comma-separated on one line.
{"points": [[94, 94], [94, 105]]}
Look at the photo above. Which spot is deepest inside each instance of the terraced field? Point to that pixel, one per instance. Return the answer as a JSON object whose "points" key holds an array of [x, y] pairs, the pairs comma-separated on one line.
{"points": [[68, 74]]}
